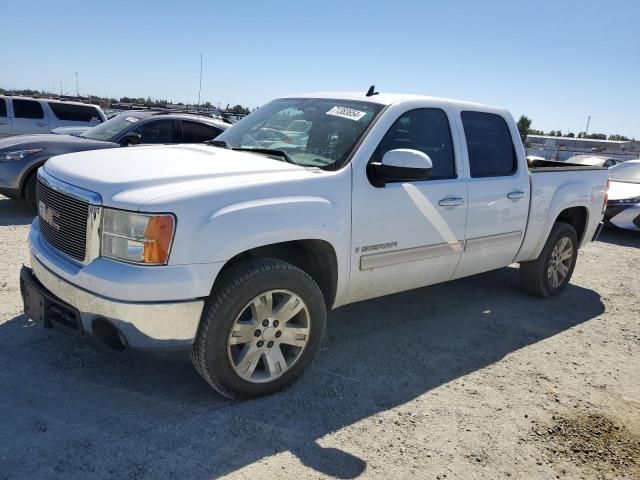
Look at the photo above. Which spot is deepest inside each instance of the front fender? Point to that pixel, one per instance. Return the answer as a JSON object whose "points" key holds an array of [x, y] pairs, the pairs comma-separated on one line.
{"points": [[243, 226]]}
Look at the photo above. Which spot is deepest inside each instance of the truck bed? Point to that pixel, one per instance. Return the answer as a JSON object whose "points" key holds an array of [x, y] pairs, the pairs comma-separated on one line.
{"points": [[555, 166]]}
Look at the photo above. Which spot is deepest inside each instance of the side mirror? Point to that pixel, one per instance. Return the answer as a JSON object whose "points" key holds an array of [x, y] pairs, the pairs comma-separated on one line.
{"points": [[400, 165], [131, 138]]}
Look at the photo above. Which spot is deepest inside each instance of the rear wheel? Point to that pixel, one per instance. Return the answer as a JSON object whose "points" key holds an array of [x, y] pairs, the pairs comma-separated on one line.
{"points": [[550, 273], [260, 328]]}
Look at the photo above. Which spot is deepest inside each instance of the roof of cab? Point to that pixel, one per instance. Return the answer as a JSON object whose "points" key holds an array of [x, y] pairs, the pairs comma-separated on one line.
{"points": [[386, 98]]}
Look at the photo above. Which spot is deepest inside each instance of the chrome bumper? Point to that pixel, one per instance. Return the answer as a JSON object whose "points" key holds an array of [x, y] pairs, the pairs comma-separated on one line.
{"points": [[147, 325]]}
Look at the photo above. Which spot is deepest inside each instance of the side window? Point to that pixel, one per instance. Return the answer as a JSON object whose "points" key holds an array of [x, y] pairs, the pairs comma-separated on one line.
{"points": [[193, 132], [3, 108], [157, 131], [75, 113], [489, 143], [427, 130], [27, 109]]}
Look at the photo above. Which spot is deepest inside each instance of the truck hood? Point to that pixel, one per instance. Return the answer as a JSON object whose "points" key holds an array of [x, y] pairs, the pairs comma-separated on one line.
{"points": [[130, 177]]}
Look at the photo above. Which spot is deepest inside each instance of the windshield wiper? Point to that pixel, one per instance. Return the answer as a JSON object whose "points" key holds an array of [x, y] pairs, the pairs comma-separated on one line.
{"points": [[218, 143], [266, 151]]}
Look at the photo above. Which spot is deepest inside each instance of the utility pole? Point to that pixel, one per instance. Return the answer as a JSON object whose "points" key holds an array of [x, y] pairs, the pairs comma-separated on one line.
{"points": [[77, 89], [60, 88], [586, 130]]}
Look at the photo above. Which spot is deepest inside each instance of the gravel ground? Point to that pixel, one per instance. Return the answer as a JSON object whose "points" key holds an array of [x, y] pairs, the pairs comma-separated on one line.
{"points": [[469, 379]]}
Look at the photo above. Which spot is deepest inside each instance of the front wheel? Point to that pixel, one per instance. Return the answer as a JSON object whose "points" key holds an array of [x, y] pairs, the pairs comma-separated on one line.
{"points": [[30, 192], [550, 273], [260, 328]]}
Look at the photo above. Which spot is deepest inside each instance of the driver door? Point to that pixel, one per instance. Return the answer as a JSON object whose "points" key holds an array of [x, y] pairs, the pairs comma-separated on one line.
{"points": [[410, 234]]}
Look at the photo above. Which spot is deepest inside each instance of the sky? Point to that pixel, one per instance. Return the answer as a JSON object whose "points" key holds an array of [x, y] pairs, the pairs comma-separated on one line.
{"points": [[555, 61]]}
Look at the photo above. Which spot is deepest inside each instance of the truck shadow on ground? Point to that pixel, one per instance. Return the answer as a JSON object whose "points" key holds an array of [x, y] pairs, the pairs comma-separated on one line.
{"points": [[71, 408], [14, 213], [618, 236]]}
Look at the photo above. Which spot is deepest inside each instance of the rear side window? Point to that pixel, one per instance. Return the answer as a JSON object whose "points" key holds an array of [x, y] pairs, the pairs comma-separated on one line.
{"points": [[27, 109], [75, 113], [157, 131], [3, 108], [489, 143], [193, 132], [426, 130]]}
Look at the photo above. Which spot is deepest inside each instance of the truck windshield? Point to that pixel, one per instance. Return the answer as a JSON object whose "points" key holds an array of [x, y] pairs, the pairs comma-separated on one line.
{"points": [[313, 132], [112, 128], [625, 172]]}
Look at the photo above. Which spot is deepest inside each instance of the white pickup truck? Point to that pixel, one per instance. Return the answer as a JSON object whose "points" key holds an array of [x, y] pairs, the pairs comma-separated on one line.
{"points": [[236, 250]]}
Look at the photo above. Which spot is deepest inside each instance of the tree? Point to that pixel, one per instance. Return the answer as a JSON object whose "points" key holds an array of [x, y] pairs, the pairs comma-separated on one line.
{"points": [[524, 123], [571, 135], [620, 138], [597, 136]]}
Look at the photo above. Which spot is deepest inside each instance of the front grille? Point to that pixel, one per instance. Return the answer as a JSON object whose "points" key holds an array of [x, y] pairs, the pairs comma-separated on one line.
{"points": [[63, 221]]}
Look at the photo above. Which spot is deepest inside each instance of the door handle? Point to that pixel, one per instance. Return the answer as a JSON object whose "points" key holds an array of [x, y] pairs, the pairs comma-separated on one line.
{"points": [[4, 123], [451, 202], [41, 124], [515, 195]]}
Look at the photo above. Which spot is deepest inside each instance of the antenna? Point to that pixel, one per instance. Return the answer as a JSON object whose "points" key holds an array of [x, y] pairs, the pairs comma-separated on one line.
{"points": [[77, 89], [371, 92], [200, 89]]}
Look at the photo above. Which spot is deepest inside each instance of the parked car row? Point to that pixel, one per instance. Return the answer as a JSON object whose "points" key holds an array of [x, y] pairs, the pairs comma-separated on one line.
{"points": [[21, 156]]}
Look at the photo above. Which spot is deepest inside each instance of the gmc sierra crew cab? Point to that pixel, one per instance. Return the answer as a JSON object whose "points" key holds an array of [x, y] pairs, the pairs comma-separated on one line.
{"points": [[237, 249]]}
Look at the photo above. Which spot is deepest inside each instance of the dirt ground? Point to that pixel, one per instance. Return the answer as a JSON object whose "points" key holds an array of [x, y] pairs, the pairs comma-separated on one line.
{"points": [[468, 379]]}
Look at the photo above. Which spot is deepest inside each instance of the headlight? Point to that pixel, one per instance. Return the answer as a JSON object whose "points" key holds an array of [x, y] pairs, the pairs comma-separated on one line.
{"points": [[18, 154], [136, 237]]}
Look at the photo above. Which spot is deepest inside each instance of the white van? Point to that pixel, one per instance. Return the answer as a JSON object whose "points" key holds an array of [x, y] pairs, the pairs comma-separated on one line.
{"points": [[23, 115]]}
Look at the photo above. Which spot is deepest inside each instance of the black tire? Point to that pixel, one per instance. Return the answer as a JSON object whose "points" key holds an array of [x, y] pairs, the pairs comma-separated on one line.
{"points": [[30, 192], [534, 274], [229, 297]]}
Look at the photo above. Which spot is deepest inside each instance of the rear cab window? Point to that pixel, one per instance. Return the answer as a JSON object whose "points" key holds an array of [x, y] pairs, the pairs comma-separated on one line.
{"points": [[3, 108], [489, 145], [27, 109], [75, 113]]}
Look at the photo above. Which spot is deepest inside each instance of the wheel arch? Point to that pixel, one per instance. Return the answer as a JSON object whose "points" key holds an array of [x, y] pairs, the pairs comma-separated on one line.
{"points": [[316, 257], [577, 217]]}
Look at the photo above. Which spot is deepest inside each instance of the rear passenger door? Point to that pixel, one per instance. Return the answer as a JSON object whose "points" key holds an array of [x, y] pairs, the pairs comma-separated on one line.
{"points": [[5, 121], [28, 118], [194, 132], [498, 190]]}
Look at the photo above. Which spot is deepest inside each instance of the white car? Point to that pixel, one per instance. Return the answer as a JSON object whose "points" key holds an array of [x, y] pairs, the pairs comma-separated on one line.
{"points": [[22, 115], [594, 160], [235, 252], [623, 207]]}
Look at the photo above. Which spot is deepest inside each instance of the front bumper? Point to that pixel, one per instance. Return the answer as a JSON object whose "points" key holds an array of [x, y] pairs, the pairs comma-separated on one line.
{"points": [[141, 325]]}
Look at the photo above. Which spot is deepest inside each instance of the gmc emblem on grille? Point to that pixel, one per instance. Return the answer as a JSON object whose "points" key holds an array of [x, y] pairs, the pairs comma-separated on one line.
{"points": [[48, 214]]}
